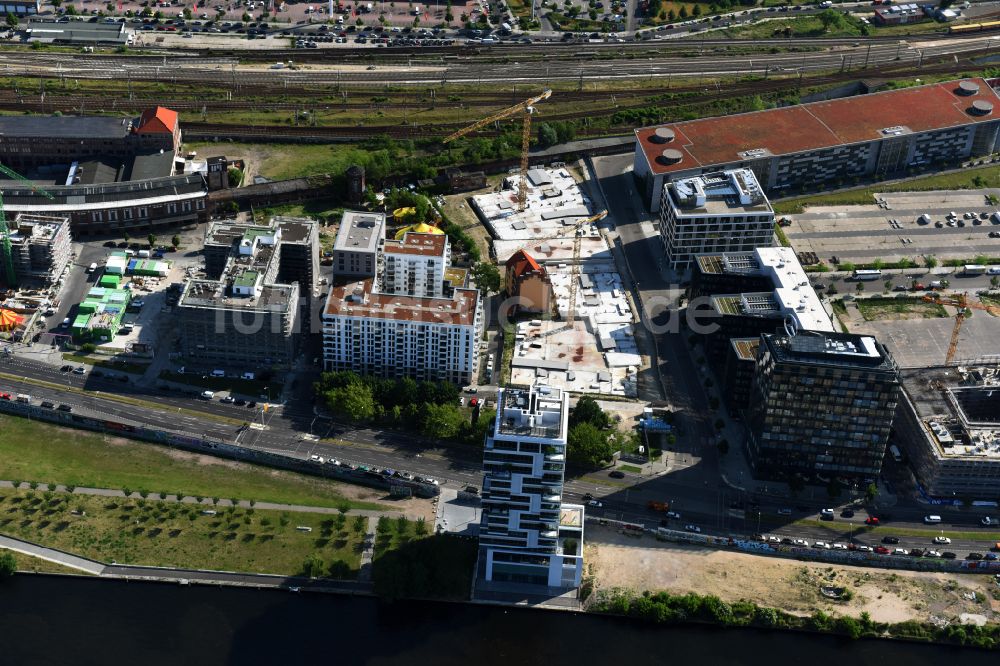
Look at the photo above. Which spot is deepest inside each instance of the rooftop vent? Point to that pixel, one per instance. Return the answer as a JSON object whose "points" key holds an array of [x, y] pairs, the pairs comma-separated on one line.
{"points": [[662, 135], [670, 156], [981, 108], [968, 88]]}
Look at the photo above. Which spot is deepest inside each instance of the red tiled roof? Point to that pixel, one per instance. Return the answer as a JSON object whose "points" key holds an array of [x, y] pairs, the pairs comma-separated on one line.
{"points": [[458, 310], [521, 262], [794, 129], [431, 245], [159, 120]]}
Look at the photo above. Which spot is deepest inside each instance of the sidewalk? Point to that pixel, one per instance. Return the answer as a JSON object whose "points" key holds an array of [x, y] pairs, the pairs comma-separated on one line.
{"points": [[52, 555]]}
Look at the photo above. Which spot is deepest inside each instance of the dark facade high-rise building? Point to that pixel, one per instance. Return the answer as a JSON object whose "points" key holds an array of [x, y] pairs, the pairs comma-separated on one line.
{"points": [[821, 403]]}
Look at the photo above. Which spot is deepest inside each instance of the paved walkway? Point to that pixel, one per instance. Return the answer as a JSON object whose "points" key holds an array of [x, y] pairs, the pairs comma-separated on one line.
{"points": [[52, 555], [208, 503], [368, 554]]}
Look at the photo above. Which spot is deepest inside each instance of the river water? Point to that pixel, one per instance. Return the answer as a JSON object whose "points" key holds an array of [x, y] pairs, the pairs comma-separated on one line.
{"points": [[71, 621]]}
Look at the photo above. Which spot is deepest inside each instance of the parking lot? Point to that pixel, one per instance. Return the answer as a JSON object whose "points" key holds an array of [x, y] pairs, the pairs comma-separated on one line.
{"points": [[282, 15], [901, 225]]}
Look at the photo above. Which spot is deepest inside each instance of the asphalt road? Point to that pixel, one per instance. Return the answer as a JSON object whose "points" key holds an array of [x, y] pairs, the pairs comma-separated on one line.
{"points": [[702, 503]]}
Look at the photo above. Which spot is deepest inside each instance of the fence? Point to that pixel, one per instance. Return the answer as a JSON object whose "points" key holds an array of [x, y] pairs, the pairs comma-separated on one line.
{"points": [[852, 557]]}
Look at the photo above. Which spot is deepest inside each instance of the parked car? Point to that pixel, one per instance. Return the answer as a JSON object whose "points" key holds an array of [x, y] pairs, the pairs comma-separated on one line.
{"points": [[826, 514], [890, 539], [871, 520], [692, 528], [847, 513], [616, 474], [800, 542], [974, 556]]}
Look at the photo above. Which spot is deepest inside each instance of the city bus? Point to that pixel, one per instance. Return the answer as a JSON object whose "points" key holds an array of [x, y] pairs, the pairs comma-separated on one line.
{"points": [[873, 274]]}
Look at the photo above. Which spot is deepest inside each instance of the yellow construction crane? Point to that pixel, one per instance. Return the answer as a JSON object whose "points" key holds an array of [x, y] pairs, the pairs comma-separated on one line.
{"points": [[962, 304], [526, 108], [574, 279]]}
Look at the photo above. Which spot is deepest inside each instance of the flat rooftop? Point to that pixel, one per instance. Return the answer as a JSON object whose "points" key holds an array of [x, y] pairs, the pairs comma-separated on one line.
{"points": [[65, 127], [830, 349], [360, 232], [958, 408], [795, 129], [214, 294], [793, 295], [417, 244], [745, 348], [356, 299], [534, 412], [735, 191]]}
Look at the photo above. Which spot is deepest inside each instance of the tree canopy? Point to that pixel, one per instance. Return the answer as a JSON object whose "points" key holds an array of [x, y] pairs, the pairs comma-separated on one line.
{"points": [[588, 445]]}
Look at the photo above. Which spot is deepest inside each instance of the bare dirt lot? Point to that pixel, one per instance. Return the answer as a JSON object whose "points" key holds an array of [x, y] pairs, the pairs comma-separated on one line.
{"points": [[619, 561]]}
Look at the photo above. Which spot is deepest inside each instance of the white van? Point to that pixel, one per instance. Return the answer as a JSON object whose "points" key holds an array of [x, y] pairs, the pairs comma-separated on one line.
{"points": [[930, 520], [92, 268], [207, 395]]}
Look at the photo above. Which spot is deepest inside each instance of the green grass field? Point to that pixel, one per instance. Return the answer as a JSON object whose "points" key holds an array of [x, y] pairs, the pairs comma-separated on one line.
{"points": [[34, 451], [964, 179], [174, 535], [883, 309], [281, 161]]}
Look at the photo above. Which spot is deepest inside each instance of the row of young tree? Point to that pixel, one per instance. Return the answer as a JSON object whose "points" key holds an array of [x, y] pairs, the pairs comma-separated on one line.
{"points": [[428, 408]]}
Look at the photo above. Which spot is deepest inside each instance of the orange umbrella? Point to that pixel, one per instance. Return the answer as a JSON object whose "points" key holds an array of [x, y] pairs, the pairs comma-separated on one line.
{"points": [[8, 320]]}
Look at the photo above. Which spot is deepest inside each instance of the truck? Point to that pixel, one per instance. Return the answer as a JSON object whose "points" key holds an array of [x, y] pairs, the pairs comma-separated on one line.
{"points": [[974, 269], [662, 507]]}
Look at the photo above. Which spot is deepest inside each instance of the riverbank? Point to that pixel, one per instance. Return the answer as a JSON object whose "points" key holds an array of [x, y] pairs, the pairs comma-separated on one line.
{"points": [[620, 561]]}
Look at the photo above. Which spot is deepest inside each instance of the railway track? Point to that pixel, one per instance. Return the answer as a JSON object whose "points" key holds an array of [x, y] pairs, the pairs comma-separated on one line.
{"points": [[416, 130], [251, 92]]}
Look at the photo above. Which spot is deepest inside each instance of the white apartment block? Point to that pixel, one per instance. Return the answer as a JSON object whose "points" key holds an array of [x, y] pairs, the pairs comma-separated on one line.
{"points": [[415, 264], [425, 338], [724, 211], [527, 534]]}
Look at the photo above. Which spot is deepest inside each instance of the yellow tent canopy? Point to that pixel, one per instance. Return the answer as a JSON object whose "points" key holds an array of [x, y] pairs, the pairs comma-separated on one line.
{"points": [[402, 213], [421, 228]]}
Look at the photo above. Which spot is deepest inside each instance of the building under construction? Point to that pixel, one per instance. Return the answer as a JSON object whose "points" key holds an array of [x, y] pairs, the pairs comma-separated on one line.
{"points": [[40, 246], [249, 312]]}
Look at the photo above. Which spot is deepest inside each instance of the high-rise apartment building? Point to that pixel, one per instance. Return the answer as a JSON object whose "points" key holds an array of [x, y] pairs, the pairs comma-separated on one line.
{"points": [[821, 403], [527, 534], [415, 264]]}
